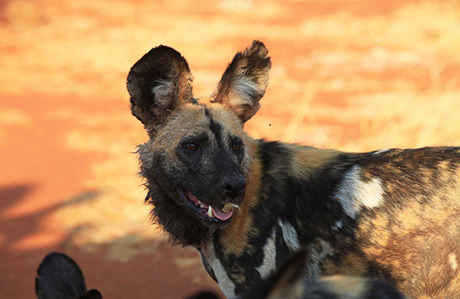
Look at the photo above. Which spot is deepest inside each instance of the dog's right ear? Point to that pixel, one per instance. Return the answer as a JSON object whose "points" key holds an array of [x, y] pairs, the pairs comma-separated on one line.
{"points": [[245, 81], [158, 83]]}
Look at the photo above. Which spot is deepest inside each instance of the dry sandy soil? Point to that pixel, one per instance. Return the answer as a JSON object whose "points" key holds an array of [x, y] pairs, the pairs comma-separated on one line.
{"points": [[354, 75]]}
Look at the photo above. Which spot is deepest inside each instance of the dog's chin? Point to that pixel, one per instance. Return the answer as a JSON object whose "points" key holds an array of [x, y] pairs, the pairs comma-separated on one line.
{"points": [[210, 215]]}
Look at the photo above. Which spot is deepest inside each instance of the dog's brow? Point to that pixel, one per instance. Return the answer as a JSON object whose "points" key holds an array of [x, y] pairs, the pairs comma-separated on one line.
{"points": [[235, 139], [199, 138], [215, 127]]}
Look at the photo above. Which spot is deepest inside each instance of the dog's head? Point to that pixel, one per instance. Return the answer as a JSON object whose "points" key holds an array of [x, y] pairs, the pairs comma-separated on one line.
{"points": [[195, 162]]}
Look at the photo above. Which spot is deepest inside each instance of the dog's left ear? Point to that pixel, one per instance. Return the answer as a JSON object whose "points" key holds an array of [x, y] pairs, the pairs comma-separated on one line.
{"points": [[244, 81], [159, 83]]}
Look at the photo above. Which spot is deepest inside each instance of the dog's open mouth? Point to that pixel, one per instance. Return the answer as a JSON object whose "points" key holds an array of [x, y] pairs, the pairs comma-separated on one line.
{"points": [[215, 213]]}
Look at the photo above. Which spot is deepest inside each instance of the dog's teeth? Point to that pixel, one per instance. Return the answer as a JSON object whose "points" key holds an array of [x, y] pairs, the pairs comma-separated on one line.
{"points": [[210, 211], [228, 206], [202, 205]]}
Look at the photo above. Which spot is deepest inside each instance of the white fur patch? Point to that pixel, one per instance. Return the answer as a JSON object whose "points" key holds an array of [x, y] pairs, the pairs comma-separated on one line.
{"points": [[338, 225], [290, 236], [245, 88], [225, 283], [353, 193], [453, 261], [269, 263], [382, 151]]}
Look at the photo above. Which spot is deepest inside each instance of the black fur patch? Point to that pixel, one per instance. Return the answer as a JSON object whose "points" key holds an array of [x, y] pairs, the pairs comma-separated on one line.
{"points": [[183, 227], [215, 128]]}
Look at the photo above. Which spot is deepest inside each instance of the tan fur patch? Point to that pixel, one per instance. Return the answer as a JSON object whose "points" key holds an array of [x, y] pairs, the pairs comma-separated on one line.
{"points": [[421, 246], [353, 264], [346, 285], [377, 228], [307, 160], [179, 126]]}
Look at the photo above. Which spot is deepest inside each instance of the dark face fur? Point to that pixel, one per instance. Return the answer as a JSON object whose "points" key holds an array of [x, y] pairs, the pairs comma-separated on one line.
{"points": [[199, 163], [195, 162]]}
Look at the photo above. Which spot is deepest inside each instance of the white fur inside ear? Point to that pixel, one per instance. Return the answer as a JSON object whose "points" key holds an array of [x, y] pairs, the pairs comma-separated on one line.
{"points": [[163, 92], [246, 90]]}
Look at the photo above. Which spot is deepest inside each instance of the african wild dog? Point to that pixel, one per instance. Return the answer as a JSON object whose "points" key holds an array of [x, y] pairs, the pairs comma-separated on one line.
{"points": [[247, 204]]}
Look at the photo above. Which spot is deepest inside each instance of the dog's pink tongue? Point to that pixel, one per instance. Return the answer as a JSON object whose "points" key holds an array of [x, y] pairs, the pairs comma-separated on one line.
{"points": [[221, 215]]}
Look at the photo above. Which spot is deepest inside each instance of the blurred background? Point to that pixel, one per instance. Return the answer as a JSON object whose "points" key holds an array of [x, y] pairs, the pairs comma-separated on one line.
{"points": [[354, 75]]}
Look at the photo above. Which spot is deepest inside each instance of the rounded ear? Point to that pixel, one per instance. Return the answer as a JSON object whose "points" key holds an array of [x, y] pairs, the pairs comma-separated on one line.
{"points": [[158, 83], [59, 276], [245, 81]]}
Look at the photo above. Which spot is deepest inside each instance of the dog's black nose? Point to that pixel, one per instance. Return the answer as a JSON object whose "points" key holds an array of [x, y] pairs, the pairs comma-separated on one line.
{"points": [[233, 186]]}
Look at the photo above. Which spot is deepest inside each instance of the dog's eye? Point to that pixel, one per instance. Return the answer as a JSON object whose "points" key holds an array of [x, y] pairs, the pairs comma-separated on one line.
{"points": [[236, 147], [191, 146]]}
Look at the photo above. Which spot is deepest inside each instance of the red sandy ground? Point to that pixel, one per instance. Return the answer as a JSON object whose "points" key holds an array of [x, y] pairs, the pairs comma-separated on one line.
{"points": [[38, 171], [34, 187]]}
